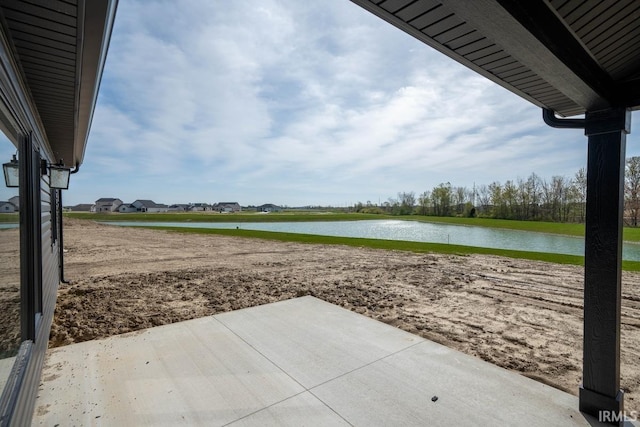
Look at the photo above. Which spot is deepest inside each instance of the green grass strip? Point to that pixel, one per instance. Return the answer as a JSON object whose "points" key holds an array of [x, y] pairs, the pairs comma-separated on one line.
{"points": [[10, 218], [394, 245]]}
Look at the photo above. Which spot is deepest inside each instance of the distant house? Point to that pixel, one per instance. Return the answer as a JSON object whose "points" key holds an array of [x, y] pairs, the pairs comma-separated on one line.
{"points": [[7, 207], [269, 207], [127, 207], [15, 200], [149, 206], [227, 207], [199, 207], [107, 205], [83, 207], [178, 208]]}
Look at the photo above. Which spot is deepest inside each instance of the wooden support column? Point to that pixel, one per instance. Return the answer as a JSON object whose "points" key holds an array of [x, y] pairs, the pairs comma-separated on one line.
{"points": [[600, 389]]}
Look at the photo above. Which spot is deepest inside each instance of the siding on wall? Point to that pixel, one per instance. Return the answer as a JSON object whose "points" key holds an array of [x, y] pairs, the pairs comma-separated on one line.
{"points": [[50, 281]]}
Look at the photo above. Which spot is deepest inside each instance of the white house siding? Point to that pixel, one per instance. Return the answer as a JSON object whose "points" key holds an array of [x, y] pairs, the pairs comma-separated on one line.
{"points": [[126, 208], [107, 205], [6, 207]]}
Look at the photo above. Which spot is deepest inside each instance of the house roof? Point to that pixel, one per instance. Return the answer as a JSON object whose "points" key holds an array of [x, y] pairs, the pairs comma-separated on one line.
{"points": [[149, 204], [569, 56], [61, 48], [106, 200], [82, 207]]}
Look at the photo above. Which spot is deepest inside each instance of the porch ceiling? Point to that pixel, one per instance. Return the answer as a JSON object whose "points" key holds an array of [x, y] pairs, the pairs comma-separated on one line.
{"points": [[566, 55], [60, 47]]}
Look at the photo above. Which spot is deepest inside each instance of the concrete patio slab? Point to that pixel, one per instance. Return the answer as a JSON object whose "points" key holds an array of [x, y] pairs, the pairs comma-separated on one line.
{"points": [[190, 373], [301, 410], [430, 382], [319, 335], [296, 362]]}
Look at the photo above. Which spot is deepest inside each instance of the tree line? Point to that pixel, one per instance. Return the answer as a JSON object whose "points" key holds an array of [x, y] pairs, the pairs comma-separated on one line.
{"points": [[559, 199]]}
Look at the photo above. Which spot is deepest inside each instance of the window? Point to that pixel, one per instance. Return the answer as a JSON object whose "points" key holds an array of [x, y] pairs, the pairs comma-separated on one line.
{"points": [[10, 328]]}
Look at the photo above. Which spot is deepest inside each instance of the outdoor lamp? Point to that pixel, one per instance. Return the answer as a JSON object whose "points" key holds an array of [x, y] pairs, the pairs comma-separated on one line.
{"points": [[59, 177], [12, 172]]}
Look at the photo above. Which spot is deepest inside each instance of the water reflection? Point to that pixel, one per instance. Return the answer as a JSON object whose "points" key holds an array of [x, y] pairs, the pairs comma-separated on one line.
{"points": [[414, 231], [9, 269], [9, 292]]}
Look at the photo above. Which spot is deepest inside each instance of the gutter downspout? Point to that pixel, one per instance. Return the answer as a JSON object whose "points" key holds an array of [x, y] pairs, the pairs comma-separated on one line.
{"points": [[61, 245]]}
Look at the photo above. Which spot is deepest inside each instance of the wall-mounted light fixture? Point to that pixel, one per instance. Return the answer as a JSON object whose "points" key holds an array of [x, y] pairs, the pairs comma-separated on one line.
{"points": [[12, 172], [58, 174], [59, 177]]}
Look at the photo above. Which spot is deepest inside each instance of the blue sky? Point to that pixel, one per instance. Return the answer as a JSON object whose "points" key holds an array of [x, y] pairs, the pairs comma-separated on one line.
{"points": [[299, 103]]}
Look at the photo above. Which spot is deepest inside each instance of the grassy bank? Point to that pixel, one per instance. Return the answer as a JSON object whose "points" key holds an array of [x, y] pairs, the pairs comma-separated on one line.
{"points": [[12, 218], [417, 247]]}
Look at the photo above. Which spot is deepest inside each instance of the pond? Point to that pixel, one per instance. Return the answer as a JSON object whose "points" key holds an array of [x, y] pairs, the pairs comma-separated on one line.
{"points": [[415, 231]]}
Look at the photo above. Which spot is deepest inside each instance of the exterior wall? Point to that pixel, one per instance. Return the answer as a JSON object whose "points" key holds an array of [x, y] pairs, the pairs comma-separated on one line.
{"points": [[7, 208], [124, 208], [269, 208], [103, 206], [140, 207], [38, 244], [227, 207], [15, 201], [40, 229], [174, 208]]}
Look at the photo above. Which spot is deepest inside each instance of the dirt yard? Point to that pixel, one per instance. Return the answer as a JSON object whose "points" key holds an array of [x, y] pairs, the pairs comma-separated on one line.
{"points": [[522, 315]]}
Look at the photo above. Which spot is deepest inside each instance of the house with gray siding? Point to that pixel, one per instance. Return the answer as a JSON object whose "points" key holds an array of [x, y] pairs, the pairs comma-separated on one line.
{"points": [[52, 54], [82, 207], [227, 207], [199, 207], [269, 207], [149, 206], [7, 207], [178, 208], [15, 200], [126, 208], [107, 204]]}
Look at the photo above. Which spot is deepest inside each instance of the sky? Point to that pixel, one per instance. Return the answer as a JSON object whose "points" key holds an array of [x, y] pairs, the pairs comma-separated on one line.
{"points": [[299, 103]]}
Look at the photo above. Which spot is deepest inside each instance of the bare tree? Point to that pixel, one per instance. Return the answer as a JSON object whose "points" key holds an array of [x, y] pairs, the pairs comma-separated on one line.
{"points": [[632, 190], [407, 202], [459, 198], [423, 201], [499, 207], [441, 198], [484, 198], [580, 184], [510, 199]]}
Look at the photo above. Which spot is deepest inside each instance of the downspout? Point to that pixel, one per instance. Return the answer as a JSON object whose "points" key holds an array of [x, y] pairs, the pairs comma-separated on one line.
{"points": [[550, 119], [61, 245]]}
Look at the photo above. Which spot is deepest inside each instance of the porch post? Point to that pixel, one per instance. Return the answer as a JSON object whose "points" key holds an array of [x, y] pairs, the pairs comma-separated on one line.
{"points": [[600, 390]]}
